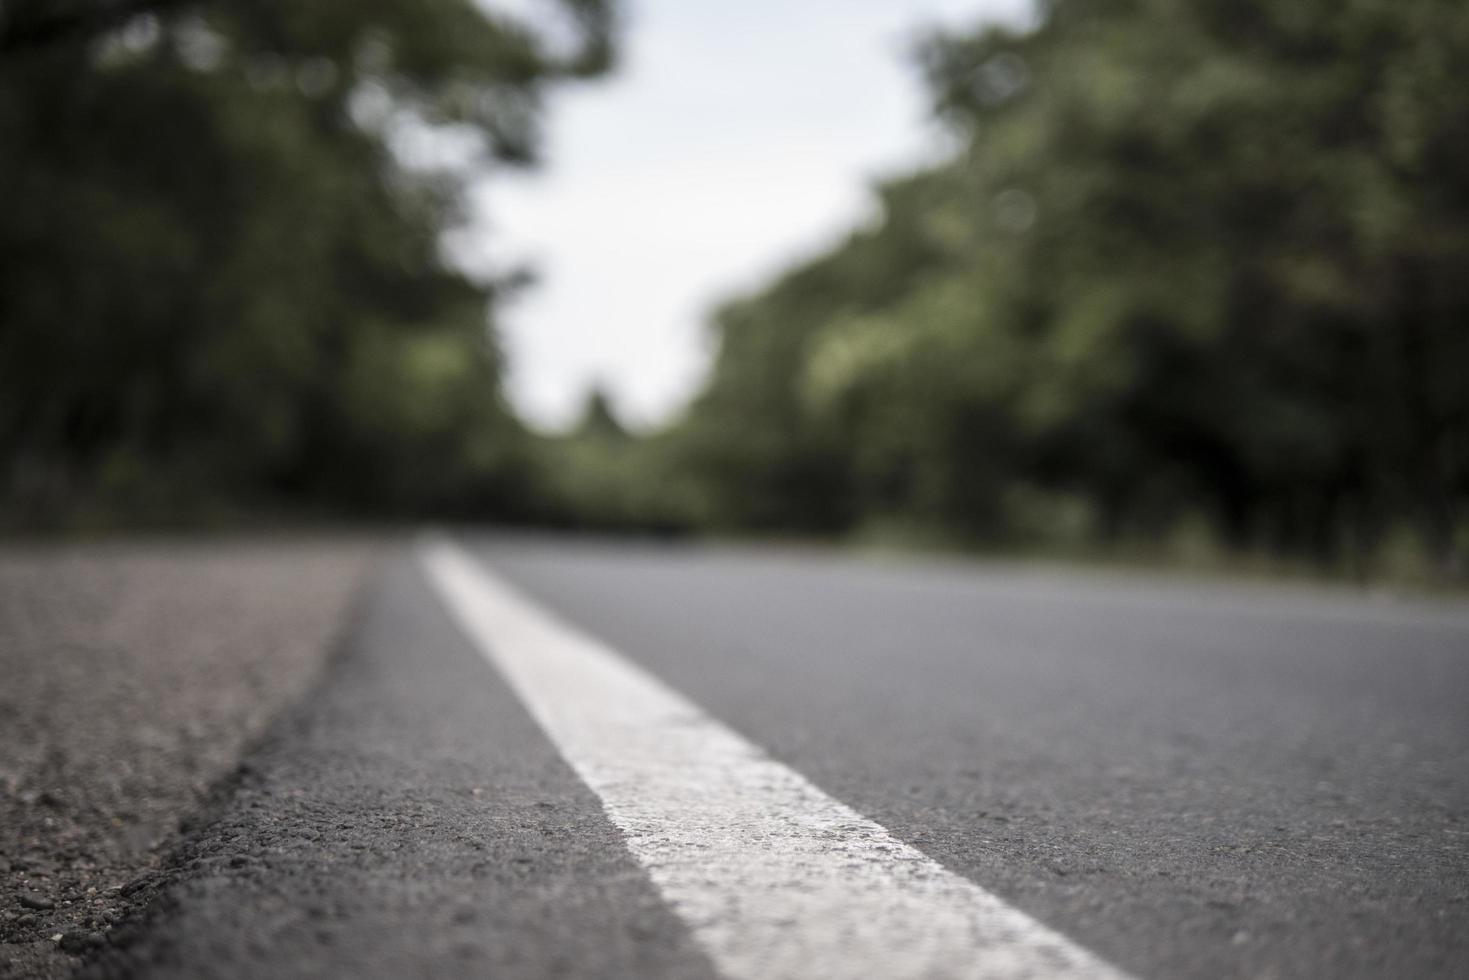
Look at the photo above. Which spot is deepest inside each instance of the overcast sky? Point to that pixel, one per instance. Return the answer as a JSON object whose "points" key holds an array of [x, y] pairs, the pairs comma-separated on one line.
{"points": [[736, 137]]}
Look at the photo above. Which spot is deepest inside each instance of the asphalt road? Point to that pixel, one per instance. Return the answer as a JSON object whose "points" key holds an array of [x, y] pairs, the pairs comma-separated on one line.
{"points": [[133, 674], [1186, 780]]}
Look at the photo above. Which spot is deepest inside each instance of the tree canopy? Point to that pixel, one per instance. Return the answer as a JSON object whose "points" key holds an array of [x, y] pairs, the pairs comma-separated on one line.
{"points": [[222, 273], [1192, 270], [1190, 261]]}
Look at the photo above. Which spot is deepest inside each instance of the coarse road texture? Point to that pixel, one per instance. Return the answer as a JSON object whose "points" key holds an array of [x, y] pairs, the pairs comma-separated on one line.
{"points": [[1185, 780], [132, 676]]}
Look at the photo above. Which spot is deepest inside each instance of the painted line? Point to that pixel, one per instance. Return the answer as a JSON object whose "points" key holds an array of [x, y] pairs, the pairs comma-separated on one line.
{"points": [[774, 878]]}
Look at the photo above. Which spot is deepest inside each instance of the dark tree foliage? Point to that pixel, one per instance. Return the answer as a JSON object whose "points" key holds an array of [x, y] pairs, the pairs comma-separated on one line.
{"points": [[598, 420], [1194, 261], [221, 270]]}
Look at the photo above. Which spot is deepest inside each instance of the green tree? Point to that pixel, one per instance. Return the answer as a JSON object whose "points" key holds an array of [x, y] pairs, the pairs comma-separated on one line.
{"points": [[221, 268], [1191, 257]]}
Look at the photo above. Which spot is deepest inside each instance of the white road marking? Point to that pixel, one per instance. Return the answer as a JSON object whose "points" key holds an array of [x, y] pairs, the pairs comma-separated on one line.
{"points": [[774, 878]]}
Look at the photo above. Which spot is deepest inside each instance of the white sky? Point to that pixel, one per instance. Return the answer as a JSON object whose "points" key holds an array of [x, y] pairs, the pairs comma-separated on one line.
{"points": [[737, 135]]}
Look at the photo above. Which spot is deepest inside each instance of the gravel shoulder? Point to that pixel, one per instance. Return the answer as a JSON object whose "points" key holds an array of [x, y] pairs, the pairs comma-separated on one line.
{"points": [[134, 676]]}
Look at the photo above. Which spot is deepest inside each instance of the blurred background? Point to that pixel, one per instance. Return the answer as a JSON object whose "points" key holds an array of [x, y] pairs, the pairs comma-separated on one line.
{"points": [[1165, 280]]}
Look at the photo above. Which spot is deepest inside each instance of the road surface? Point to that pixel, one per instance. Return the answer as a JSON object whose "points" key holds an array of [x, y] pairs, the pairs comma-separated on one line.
{"points": [[534, 758]]}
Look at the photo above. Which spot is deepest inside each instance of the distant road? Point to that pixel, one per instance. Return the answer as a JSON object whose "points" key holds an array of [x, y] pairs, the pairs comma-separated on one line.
{"points": [[537, 758]]}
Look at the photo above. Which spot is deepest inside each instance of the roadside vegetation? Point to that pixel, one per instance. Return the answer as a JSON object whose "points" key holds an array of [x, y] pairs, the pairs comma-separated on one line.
{"points": [[223, 286], [1189, 287]]}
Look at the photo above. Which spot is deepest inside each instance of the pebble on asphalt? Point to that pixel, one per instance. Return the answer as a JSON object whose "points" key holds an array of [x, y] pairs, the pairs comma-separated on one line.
{"points": [[40, 903]]}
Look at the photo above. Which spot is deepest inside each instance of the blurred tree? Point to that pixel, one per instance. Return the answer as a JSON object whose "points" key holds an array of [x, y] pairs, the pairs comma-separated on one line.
{"points": [[221, 273], [600, 476], [598, 421], [1191, 257]]}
